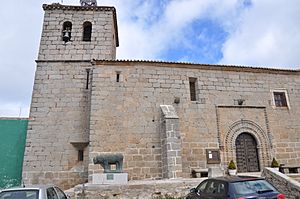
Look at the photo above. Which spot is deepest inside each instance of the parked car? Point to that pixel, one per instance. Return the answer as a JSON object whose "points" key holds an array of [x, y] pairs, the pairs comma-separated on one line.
{"points": [[235, 187], [33, 192]]}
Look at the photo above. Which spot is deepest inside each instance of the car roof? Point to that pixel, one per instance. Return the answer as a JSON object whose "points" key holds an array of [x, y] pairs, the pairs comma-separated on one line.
{"points": [[29, 187], [232, 179]]}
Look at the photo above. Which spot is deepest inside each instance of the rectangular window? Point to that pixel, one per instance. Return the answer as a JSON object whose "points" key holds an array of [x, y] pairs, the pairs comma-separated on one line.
{"points": [[280, 99], [193, 89], [118, 77], [80, 155], [87, 78]]}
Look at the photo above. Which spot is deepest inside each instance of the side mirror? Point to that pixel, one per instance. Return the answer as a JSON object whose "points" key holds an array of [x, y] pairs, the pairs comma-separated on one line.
{"points": [[193, 190]]}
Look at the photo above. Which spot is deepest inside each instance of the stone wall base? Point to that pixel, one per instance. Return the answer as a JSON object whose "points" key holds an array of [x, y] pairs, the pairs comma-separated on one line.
{"points": [[136, 189], [63, 179]]}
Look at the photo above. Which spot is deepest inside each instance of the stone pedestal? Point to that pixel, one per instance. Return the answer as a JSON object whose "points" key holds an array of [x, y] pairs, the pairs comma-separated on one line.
{"points": [[110, 178], [215, 172]]}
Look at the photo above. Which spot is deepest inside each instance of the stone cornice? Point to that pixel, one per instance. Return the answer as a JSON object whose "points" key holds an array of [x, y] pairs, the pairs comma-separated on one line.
{"points": [[240, 106], [54, 61], [216, 67]]}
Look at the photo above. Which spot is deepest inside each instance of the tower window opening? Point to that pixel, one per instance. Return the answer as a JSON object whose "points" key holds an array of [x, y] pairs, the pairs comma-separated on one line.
{"points": [[87, 78], [118, 76], [80, 155], [192, 82], [66, 31], [87, 31]]}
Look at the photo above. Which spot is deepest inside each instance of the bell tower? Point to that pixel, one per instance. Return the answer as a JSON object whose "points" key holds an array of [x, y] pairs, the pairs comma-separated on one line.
{"points": [[83, 32], [57, 143]]}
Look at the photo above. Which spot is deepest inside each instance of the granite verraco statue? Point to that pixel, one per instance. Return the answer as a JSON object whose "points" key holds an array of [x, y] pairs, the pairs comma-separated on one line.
{"points": [[107, 160]]}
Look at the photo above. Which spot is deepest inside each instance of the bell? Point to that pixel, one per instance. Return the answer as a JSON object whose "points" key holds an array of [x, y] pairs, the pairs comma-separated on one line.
{"points": [[66, 36]]}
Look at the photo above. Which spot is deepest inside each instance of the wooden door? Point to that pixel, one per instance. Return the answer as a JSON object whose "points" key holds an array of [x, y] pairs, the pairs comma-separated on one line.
{"points": [[246, 153]]}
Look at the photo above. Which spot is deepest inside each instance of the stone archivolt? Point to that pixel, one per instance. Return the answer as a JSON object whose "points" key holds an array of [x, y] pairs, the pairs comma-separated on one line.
{"points": [[261, 137]]}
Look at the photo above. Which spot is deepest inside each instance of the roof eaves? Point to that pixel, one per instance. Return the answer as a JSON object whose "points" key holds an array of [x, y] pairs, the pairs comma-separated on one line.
{"points": [[204, 66]]}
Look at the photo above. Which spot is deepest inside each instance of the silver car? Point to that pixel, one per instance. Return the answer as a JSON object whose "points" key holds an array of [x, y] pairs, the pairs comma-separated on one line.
{"points": [[33, 192]]}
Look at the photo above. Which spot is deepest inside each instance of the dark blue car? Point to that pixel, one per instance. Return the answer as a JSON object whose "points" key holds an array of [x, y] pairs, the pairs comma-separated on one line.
{"points": [[235, 187]]}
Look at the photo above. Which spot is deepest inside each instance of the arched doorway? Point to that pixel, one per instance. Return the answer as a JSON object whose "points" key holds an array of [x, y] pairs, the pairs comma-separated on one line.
{"points": [[246, 153]]}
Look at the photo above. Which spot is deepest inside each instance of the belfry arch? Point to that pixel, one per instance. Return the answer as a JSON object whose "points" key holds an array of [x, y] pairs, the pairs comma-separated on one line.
{"points": [[263, 142]]}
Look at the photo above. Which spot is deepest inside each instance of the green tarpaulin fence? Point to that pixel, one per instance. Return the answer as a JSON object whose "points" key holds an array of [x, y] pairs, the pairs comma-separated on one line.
{"points": [[12, 145]]}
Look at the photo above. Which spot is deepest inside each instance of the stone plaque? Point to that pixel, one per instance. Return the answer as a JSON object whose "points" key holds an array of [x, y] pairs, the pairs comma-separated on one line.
{"points": [[110, 176]]}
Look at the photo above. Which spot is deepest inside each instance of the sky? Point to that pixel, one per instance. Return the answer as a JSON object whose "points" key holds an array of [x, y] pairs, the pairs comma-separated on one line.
{"points": [[259, 33]]}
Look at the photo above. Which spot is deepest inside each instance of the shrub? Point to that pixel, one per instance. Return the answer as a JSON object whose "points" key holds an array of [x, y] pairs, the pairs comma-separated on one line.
{"points": [[274, 163], [231, 165]]}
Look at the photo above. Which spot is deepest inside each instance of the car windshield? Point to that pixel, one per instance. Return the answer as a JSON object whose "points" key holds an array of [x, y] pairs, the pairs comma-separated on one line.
{"points": [[253, 186], [19, 194]]}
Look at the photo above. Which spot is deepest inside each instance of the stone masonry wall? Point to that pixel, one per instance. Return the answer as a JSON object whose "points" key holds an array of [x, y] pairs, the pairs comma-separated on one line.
{"points": [[58, 129], [286, 185], [103, 40], [58, 118], [114, 107], [125, 115]]}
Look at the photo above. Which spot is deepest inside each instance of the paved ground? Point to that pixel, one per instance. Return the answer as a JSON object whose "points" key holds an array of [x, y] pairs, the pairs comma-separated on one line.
{"points": [[148, 187]]}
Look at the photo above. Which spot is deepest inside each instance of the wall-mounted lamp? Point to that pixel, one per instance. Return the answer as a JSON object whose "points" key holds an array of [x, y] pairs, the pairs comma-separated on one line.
{"points": [[176, 100], [240, 102]]}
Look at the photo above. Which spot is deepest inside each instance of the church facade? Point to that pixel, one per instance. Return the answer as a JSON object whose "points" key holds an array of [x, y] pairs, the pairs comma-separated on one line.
{"points": [[166, 118]]}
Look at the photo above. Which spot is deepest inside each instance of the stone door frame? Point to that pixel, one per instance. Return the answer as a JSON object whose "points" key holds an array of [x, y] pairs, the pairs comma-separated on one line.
{"points": [[263, 142]]}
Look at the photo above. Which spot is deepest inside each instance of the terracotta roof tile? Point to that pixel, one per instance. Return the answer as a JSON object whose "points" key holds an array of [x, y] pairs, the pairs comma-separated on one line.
{"points": [[255, 69]]}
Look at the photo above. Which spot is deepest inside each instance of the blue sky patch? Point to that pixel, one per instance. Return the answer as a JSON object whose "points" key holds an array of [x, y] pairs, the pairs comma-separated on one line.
{"points": [[203, 41], [247, 3]]}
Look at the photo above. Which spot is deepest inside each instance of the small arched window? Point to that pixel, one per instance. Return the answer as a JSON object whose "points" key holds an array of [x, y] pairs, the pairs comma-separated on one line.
{"points": [[87, 31], [66, 31]]}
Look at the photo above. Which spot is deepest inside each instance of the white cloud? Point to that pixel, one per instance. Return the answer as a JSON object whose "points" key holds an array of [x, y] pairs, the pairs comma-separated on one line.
{"points": [[268, 35], [180, 13], [20, 22], [141, 37], [14, 110]]}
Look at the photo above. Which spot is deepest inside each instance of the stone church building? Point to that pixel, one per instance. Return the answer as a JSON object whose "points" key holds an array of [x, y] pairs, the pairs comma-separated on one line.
{"points": [[165, 118]]}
